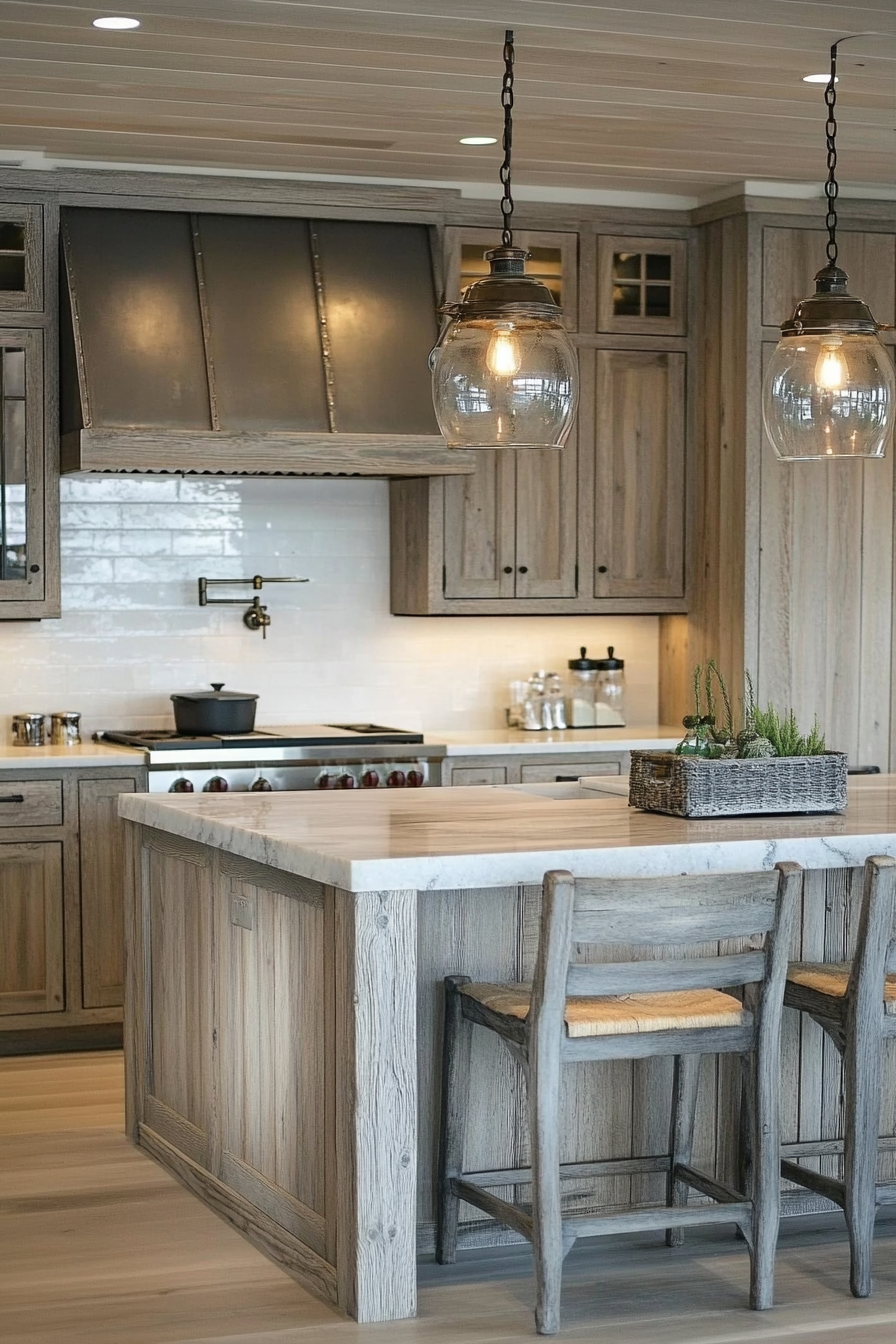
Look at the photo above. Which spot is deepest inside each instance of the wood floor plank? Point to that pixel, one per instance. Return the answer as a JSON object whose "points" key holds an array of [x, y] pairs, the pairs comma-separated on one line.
{"points": [[99, 1245]]}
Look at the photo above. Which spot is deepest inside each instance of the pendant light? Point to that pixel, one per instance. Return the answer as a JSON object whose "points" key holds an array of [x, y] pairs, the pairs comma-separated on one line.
{"points": [[504, 371], [830, 387]]}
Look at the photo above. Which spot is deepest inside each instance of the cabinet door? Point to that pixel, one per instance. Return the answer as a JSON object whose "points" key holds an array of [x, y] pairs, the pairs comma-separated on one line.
{"points": [[546, 521], [639, 474], [479, 528], [22, 549], [102, 888], [31, 952], [791, 257], [21, 258], [642, 285], [553, 259]]}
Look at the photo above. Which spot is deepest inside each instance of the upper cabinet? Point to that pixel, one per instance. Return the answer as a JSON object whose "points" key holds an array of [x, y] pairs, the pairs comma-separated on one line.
{"points": [[553, 259], [642, 285], [599, 525], [21, 258]]}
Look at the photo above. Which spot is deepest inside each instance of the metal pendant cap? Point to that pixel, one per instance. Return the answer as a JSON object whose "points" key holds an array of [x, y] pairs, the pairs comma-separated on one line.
{"points": [[831, 310], [506, 291]]}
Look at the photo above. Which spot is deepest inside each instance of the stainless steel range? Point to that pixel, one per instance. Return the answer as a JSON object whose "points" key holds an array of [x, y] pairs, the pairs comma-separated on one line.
{"points": [[310, 756]]}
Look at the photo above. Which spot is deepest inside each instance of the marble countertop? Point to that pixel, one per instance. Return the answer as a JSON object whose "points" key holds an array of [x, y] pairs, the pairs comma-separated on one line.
{"points": [[51, 758], [431, 839], [514, 741]]}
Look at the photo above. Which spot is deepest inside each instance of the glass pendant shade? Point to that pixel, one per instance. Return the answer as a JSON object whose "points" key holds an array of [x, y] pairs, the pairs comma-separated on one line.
{"points": [[830, 386], [504, 372]]}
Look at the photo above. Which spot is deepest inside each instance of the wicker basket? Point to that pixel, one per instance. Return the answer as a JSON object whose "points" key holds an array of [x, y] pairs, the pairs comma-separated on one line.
{"points": [[692, 786]]}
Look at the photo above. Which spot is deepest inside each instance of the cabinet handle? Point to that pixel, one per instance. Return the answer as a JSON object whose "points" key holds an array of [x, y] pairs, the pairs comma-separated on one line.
{"points": [[601, 569], [12, 798], [508, 569], [524, 569]]}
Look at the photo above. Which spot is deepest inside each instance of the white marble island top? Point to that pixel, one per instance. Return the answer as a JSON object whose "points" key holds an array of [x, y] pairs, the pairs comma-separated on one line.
{"points": [[436, 839]]}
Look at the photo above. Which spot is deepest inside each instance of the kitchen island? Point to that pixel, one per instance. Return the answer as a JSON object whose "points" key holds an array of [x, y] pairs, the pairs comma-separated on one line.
{"points": [[285, 958]]}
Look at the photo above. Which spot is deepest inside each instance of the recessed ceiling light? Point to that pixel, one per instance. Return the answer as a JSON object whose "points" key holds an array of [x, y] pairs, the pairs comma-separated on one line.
{"points": [[479, 140], [819, 79], [116, 23]]}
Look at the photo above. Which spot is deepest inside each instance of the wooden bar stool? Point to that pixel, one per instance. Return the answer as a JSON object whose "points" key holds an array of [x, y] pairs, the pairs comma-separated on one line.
{"points": [[630, 1010], [855, 1003]]}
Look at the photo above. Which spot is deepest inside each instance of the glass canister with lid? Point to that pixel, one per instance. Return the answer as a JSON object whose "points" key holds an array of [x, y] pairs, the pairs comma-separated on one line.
{"points": [[581, 711], [609, 706]]}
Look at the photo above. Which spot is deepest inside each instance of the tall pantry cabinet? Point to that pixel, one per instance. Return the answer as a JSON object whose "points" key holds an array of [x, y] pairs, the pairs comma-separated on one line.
{"points": [[792, 564]]}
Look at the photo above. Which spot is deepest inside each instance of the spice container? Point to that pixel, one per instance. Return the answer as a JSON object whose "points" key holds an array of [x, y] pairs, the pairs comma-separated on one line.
{"points": [[65, 728], [28, 730]]}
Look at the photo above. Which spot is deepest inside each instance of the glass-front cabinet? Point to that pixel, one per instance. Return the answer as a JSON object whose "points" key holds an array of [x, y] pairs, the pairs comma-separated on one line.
{"points": [[22, 474]]}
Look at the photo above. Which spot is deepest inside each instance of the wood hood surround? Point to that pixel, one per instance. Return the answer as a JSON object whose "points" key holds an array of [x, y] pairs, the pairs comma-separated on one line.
{"points": [[247, 344]]}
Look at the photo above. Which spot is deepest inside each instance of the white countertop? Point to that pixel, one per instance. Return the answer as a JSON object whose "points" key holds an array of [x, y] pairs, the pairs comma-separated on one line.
{"points": [[431, 839], [516, 741], [51, 758]]}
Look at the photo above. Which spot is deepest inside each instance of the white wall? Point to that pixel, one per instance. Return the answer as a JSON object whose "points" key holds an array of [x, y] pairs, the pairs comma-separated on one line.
{"points": [[132, 631]]}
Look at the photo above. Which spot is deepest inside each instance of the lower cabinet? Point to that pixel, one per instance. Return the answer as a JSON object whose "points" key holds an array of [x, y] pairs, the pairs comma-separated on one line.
{"points": [[543, 768], [61, 885], [32, 968]]}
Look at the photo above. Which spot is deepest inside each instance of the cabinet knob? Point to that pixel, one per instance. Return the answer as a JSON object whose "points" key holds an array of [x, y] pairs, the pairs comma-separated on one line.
{"points": [[508, 569], [524, 569], [601, 569]]}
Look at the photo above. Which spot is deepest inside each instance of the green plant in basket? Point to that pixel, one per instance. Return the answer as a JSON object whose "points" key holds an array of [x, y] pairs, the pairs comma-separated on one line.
{"points": [[764, 732]]}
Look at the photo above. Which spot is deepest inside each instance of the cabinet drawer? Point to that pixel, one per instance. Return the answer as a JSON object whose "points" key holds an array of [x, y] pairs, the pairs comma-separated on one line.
{"points": [[31, 802], [567, 770], [479, 774]]}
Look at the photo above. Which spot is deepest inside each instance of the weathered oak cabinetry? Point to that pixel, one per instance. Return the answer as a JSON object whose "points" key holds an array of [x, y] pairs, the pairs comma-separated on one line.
{"points": [[792, 574], [61, 884], [600, 525], [537, 768]]}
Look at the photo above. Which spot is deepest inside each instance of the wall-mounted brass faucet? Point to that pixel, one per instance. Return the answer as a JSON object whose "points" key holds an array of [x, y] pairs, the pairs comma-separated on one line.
{"points": [[256, 617]]}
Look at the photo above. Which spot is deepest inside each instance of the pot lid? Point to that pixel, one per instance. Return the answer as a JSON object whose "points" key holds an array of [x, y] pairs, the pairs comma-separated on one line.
{"points": [[216, 693]]}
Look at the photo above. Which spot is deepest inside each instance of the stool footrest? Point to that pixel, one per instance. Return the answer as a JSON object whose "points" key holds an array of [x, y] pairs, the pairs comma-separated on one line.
{"points": [[500, 1209], [614, 1166], [814, 1180], [722, 1194], [650, 1220]]}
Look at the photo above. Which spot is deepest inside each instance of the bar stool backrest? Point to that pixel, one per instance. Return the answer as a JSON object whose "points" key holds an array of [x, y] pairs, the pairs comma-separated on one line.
{"points": [[875, 955], [667, 911]]}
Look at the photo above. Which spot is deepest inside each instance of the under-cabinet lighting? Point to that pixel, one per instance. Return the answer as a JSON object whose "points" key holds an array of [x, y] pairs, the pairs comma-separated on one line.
{"points": [[117, 24], [479, 140], [819, 79]]}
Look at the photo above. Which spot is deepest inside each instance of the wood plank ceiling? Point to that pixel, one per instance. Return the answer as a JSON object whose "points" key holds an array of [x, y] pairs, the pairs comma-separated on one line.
{"points": [[673, 96]]}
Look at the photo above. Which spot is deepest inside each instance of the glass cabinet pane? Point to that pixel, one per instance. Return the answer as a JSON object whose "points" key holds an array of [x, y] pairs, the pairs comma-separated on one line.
{"points": [[13, 480]]}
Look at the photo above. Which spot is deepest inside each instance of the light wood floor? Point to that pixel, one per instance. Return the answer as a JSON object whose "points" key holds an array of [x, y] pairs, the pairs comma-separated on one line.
{"points": [[98, 1245]]}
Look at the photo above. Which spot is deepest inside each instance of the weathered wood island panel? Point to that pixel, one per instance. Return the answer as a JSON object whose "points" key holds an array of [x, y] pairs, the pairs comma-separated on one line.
{"points": [[283, 1032]]}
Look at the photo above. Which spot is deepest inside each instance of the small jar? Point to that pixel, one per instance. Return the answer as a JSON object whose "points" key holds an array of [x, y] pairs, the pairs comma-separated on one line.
{"points": [[581, 687], [28, 730], [65, 728], [610, 694]]}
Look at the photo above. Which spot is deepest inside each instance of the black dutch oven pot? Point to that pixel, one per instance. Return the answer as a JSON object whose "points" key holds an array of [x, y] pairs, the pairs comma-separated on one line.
{"points": [[215, 711]]}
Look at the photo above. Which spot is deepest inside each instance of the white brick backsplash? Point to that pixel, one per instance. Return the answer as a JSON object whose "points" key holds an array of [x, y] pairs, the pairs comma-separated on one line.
{"points": [[132, 630]]}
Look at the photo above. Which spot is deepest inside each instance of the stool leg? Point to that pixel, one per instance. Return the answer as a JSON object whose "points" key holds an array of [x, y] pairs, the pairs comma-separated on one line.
{"points": [[681, 1135], [861, 1071], [547, 1221], [456, 1043], [761, 1077]]}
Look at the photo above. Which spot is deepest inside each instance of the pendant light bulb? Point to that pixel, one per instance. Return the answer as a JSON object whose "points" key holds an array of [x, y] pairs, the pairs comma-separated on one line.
{"points": [[503, 356], [830, 387], [504, 370], [831, 370]]}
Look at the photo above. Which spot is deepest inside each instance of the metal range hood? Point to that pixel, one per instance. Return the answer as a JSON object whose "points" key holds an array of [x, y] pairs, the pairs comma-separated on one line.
{"points": [[247, 344]]}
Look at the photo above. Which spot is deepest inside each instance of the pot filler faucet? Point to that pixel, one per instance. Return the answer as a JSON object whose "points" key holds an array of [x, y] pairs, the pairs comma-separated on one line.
{"points": [[256, 616]]}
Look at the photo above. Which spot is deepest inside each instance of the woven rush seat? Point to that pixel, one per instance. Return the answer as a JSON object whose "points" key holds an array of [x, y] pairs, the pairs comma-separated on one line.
{"points": [[619, 1014], [832, 978]]}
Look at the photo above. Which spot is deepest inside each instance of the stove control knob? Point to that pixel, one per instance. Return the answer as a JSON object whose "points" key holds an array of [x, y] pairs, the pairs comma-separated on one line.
{"points": [[370, 779], [346, 782], [181, 786], [324, 781], [261, 785], [415, 779], [218, 784], [396, 779]]}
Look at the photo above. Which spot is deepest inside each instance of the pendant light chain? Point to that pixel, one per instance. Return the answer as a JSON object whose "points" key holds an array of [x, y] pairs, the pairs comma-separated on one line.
{"points": [[831, 189], [507, 104]]}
